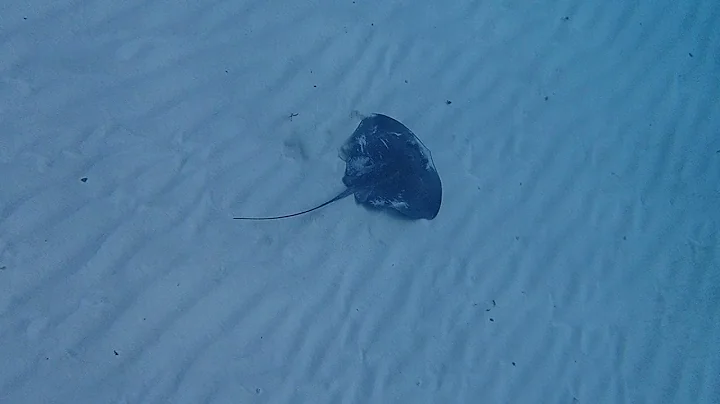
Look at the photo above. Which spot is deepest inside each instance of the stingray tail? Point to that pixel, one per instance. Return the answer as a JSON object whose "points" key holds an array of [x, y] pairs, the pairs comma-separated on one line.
{"points": [[341, 195]]}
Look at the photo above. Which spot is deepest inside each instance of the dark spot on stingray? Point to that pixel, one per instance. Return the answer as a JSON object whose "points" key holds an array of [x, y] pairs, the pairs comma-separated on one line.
{"points": [[386, 167], [83, 179]]}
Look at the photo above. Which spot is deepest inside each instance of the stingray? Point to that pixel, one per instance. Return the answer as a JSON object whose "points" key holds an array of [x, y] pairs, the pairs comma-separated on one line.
{"points": [[386, 167]]}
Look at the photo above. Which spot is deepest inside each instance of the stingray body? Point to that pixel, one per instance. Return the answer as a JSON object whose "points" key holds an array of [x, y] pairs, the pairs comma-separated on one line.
{"points": [[386, 167]]}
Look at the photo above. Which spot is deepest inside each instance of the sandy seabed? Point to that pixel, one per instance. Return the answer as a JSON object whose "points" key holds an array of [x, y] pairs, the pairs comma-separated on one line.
{"points": [[575, 259]]}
